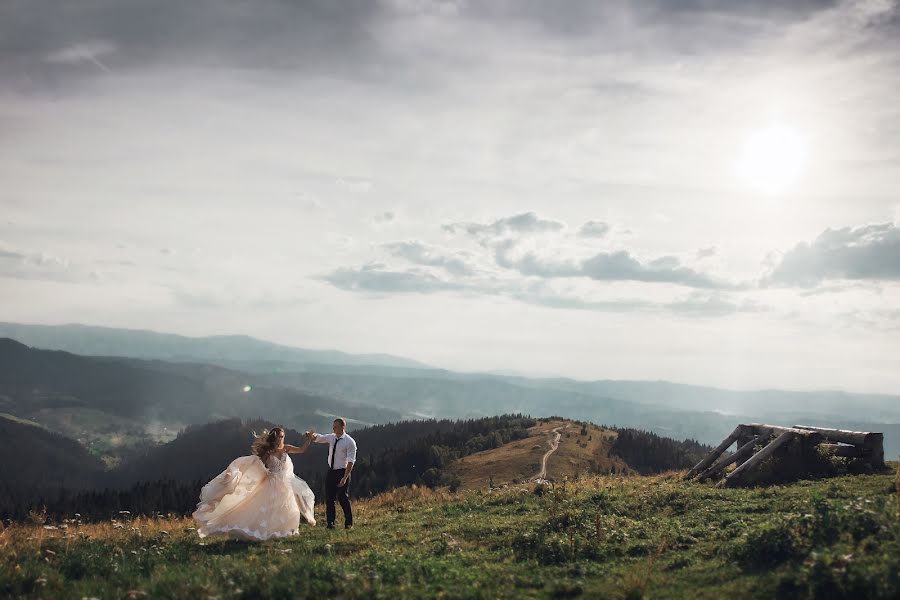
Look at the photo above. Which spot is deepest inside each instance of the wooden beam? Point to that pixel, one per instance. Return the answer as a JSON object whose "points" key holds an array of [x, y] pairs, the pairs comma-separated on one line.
{"points": [[726, 443], [743, 452], [758, 458], [775, 430], [867, 438]]}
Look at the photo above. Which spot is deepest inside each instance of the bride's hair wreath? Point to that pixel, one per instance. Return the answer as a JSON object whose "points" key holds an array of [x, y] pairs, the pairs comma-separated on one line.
{"points": [[264, 442]]}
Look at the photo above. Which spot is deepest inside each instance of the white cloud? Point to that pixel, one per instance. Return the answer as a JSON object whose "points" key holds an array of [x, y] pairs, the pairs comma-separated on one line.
{"points": [[90, 51]]}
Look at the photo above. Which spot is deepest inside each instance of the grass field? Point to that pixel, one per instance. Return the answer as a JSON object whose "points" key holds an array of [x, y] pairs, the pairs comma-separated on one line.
{"points": [[580, 451], [616, 537]]}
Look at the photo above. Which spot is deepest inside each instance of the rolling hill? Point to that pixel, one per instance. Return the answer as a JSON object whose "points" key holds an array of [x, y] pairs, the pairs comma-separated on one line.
{"points": [[34, 460], [113, 405]]}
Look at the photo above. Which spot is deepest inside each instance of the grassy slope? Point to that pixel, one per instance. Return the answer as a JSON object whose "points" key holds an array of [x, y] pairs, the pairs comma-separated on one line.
{"points": [[602, 536], [520, 460]]}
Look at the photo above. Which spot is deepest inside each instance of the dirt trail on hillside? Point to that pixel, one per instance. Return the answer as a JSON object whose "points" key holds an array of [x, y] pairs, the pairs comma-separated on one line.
{"points": [[554, 444]]}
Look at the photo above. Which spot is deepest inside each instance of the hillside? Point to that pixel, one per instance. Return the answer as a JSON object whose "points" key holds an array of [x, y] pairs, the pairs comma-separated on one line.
{"points": [[116, 406], [468, 454], [168, 477], [34, 460], [581, 450], [602, 537]]}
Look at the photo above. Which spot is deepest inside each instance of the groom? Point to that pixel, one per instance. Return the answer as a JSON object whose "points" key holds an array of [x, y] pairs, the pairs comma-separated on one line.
{"points": [[341, 456]]}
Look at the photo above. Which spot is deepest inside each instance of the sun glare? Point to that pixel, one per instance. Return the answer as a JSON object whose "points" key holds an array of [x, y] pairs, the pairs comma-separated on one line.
{"points": [[773, 159]]}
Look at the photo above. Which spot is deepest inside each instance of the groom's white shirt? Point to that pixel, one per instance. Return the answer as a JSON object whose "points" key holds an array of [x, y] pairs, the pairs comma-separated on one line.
{"points": [[346, 448]]}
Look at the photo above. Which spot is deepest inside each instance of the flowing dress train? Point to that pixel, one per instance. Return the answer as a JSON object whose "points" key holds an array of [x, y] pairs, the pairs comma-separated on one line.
{"points": [[253, 501]]}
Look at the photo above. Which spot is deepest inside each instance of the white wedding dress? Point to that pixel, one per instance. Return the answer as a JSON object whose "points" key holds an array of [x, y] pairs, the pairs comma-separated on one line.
{"points": [[252, 501]]}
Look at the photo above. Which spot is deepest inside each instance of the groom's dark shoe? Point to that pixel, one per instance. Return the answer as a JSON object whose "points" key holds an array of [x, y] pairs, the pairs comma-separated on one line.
{"points": [[329, 526], [350, 526]]}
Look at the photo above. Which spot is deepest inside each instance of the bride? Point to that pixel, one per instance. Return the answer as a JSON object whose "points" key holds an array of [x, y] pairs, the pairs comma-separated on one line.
{"points": [[258, 496]]}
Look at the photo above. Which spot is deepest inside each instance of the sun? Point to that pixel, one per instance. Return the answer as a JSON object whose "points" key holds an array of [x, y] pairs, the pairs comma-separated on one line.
{"points": [[774, 159]]}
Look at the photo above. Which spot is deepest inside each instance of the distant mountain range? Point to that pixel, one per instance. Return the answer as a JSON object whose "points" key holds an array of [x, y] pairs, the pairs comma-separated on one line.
{"points": [[136, 343], [377, 393], [114, 405]]}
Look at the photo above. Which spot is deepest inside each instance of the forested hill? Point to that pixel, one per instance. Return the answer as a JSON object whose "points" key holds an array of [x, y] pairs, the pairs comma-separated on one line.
{"points": [[389, 455], [34, 461], [92, 398], [647, 452], [168, 477]]}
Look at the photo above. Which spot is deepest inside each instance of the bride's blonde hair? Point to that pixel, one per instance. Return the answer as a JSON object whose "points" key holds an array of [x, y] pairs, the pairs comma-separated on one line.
{"points": [[265, 442]]}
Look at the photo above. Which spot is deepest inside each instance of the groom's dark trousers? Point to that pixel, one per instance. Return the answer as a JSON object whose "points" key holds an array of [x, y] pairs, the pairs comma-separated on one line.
{"points": [[333, 492]]}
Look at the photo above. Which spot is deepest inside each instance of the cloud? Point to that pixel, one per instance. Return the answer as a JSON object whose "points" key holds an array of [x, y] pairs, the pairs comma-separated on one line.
{"points": [[706, 252], [90, 51], [6, 254], [870, 252], [608, 266], [318, 36], [594, 229], [457, 262], [377, 277], [380, 279], [40, 266], [525, 223], [527, 276]]}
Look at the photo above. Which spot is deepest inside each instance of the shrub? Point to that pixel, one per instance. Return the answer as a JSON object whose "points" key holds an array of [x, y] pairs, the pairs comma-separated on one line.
{"points": [[768, 546]]}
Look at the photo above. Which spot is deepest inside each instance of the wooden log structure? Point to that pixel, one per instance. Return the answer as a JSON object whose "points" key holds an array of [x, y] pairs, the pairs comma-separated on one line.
{"points": [[862, 445], [757, 458], [743, 452], [700, 466]]}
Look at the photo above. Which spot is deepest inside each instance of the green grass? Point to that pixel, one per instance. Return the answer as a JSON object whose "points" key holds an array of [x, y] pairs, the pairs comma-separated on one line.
{"points": [[629, 537]]}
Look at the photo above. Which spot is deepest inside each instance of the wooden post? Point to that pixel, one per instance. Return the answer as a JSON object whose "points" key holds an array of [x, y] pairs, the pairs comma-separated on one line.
{"points": [[758, 457], [743, 452], [715, 453], [743, 439]]}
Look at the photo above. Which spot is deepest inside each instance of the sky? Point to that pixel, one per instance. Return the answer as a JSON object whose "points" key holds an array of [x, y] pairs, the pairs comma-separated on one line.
{"points": [[697, 191]]}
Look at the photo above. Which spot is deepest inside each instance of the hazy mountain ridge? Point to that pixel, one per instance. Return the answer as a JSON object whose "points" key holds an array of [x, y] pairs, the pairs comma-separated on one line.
{"points": [[100, 398], [137, 343], [379, 393]]}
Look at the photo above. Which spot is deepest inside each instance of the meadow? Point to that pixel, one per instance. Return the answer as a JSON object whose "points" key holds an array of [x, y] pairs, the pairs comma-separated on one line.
{"points": [[598, 536]]}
